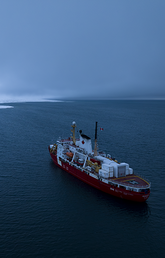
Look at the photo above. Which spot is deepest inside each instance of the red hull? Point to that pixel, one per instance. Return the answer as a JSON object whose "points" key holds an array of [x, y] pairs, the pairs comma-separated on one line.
{"points": [[115, 191]]}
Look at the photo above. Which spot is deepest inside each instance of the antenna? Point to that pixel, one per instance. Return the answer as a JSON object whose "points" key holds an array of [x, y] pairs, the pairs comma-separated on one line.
{"points": [[95, 149], [73, 131]]}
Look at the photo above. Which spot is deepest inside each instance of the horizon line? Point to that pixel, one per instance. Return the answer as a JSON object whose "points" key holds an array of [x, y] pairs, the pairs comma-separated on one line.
{"points": [[74, 99]]}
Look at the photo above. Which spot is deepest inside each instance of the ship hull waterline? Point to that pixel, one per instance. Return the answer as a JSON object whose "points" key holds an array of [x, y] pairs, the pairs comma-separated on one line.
{"points": [[100, 185]]}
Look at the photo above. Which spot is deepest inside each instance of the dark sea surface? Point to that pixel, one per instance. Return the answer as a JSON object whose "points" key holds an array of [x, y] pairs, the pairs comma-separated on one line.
{"points": [[45, 212]]}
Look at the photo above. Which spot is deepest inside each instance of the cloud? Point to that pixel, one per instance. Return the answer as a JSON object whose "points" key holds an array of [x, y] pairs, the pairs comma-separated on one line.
{"points": [[82, 49]]}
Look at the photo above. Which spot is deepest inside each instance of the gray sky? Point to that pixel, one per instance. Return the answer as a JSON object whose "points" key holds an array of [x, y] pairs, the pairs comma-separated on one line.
{"points": [[82, 49]]}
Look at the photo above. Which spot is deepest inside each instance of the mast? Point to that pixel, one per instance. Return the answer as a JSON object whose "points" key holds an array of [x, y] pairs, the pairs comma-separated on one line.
{"points": [[95, 149], [73, 131]]}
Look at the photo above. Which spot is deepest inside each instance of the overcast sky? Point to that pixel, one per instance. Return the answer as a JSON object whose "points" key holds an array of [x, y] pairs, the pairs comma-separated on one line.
{"points": [[82, 49]]}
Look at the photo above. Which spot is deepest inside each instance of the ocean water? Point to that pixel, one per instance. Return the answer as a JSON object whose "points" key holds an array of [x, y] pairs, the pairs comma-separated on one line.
{"points": [[45, 212]]}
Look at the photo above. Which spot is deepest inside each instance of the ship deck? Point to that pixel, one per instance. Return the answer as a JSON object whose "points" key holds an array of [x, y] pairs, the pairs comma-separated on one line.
{"points": [[131, 180]]}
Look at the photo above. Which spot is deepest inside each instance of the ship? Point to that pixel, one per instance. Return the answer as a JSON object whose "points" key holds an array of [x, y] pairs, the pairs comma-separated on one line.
{"points": [[97, 168]]}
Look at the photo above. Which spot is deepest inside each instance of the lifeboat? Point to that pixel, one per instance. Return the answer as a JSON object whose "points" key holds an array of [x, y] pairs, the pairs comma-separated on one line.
{"points": [[69, 154]]}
